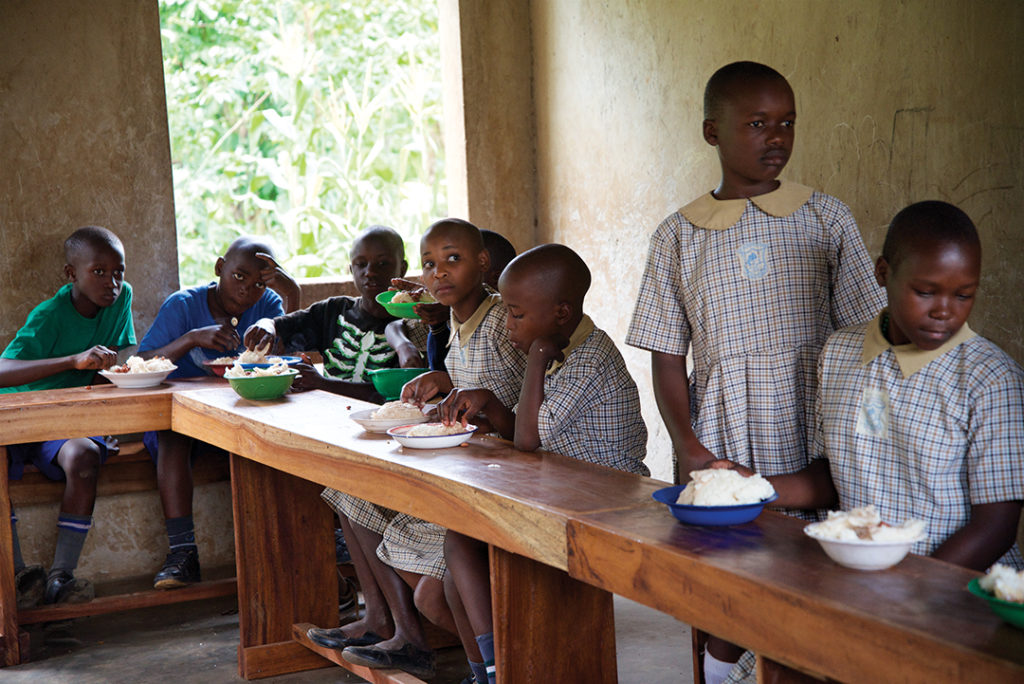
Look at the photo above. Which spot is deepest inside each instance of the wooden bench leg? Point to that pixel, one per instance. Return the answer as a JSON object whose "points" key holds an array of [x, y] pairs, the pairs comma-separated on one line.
{"points": [[549, 627], [10, 651], [284, 551], [699, 642]]}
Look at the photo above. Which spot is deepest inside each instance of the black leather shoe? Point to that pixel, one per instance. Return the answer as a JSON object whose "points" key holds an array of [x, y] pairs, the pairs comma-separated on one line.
{"points": [[335, 638], [415, 661], [63, 587], [181, 568]]}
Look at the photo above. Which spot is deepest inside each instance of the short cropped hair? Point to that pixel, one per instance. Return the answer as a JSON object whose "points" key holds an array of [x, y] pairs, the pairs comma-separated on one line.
{"points": [[725, 82], [928, 223], [90, 236], [384, 234], [501, 250]]}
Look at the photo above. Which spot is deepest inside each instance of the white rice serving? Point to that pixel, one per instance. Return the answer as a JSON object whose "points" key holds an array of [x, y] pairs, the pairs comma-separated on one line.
{"points": [[397, 410], [714, 487], [1004, 582], [435, 430], [865, 524]]}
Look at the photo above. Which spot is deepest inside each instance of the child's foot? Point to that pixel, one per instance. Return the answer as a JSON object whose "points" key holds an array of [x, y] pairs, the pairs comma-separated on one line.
{"points": [[181, 568], [63, 587], [408, 658], [29, 585]]}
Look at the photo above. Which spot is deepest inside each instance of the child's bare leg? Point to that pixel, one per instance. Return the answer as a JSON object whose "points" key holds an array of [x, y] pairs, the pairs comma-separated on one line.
{"points": [[174, 473], [396, 591], [80, 461], [465, 630], [377, 617], [470, 570], [428, 596]]}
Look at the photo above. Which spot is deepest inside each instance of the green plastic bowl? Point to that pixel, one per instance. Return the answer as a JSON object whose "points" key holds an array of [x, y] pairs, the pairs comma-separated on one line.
{"points": [[389, 381], [263, 387], [1008, 610], [400, 310]]}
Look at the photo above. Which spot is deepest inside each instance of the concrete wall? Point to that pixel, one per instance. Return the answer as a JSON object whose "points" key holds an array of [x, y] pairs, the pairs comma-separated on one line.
{"points": [[896, 101], [83, 140]]}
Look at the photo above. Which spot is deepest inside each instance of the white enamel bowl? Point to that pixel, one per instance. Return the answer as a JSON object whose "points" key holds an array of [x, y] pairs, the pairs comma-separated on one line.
{"points": [[862, 554], [364, 419], [137, 380], [430, 442]]}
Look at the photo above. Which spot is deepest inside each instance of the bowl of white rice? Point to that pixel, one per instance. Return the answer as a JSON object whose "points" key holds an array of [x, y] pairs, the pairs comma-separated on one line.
{"points": [[137, 372], [859, 539], [717, 497], [432, 435], [387, 416], [1002, 588]]}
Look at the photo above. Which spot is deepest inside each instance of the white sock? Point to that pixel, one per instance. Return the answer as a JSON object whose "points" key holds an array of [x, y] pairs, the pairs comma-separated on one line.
{"points": [[715, 670]]}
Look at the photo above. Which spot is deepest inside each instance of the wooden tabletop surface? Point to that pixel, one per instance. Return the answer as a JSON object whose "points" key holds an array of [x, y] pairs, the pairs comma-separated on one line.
{"points": [[101, 409], [518, 501], [769, 587]]}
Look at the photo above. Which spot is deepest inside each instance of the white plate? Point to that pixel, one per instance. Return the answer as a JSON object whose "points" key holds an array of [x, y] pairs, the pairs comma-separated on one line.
{"points": [[864, 554], [375, 425], [430, 442], [137, 380]]}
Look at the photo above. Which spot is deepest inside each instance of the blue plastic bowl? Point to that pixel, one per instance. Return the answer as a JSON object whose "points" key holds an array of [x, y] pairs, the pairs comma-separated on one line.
{"points": [[709, 515]]}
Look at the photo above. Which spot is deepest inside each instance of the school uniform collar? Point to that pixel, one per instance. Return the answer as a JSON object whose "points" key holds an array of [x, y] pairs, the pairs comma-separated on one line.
{"points": [[715, 214], [581, 333], [465, 330], [910, 357]]}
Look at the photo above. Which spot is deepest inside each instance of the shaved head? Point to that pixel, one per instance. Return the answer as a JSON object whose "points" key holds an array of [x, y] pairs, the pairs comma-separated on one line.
{"points": [[384, 235], [463, 232], [551, 268], [90, 237], [725, 83], [926, 224], [248, 246]]}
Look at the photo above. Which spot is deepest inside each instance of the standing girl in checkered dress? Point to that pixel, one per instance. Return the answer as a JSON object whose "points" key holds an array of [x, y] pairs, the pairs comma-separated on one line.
{"points": [[750, 278]]}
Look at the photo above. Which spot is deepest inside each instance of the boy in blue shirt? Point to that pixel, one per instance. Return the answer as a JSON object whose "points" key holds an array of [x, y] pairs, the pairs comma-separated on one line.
{"points": [[64, 341], [194, 325]]}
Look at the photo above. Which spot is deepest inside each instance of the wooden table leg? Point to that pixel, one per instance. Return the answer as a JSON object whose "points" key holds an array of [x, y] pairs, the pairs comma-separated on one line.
{"points": [[284, 551], [10, 653], [549, 627]]}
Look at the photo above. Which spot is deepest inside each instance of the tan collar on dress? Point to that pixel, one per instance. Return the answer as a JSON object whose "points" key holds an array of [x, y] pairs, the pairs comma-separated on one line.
{"points": [[582, 332], [715, 214], [465, 330], [910, 357]]}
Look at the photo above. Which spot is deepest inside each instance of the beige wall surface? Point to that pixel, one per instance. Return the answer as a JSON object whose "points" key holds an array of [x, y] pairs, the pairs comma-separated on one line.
{"points": [[897, 102], [83, 140]]}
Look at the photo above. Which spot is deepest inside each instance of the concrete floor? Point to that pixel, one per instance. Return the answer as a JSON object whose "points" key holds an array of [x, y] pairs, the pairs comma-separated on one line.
{"points": [[198, 642]]}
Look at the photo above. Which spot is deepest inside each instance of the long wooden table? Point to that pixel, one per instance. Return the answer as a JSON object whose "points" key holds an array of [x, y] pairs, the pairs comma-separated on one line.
{"points": [[520, 503], [69, 413], [771, 588]]}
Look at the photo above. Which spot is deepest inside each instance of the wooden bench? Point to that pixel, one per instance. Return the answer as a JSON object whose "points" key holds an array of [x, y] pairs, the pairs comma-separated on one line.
{"points": [[131, 470]]}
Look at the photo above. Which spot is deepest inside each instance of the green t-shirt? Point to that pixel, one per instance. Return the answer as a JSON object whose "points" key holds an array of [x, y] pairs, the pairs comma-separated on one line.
{"points": [[55, 329]]}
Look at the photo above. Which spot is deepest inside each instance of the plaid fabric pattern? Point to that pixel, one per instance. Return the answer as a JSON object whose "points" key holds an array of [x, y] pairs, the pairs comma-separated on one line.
{"points": [[363, 513], [945, 438], [488, 359], [757, 302], [591, 408], [414, 545], [416, 330]]}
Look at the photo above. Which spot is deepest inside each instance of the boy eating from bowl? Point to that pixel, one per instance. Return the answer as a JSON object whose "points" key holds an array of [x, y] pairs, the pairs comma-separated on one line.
{"points": [[197, 325], [577, 399], [916, 413], [64, 341], [350, 332]]}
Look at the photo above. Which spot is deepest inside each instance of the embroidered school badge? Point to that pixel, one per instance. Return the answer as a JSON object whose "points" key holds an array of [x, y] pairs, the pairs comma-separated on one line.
{"points": [[873, 419], [753, 258]]}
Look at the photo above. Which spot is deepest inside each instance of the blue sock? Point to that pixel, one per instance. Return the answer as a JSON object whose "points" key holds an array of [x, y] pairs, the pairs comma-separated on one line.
{"points": [[19, 562], [71, 531], [479, 672], [486, 644], [181, 533]]}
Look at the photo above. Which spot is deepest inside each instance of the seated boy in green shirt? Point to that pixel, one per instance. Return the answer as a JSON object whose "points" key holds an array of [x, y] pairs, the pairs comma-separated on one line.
{"points": [[64, 341]]}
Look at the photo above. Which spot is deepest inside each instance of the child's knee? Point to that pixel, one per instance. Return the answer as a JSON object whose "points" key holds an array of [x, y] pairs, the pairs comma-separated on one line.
{"points": [[80, 460], [430, 600]]}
